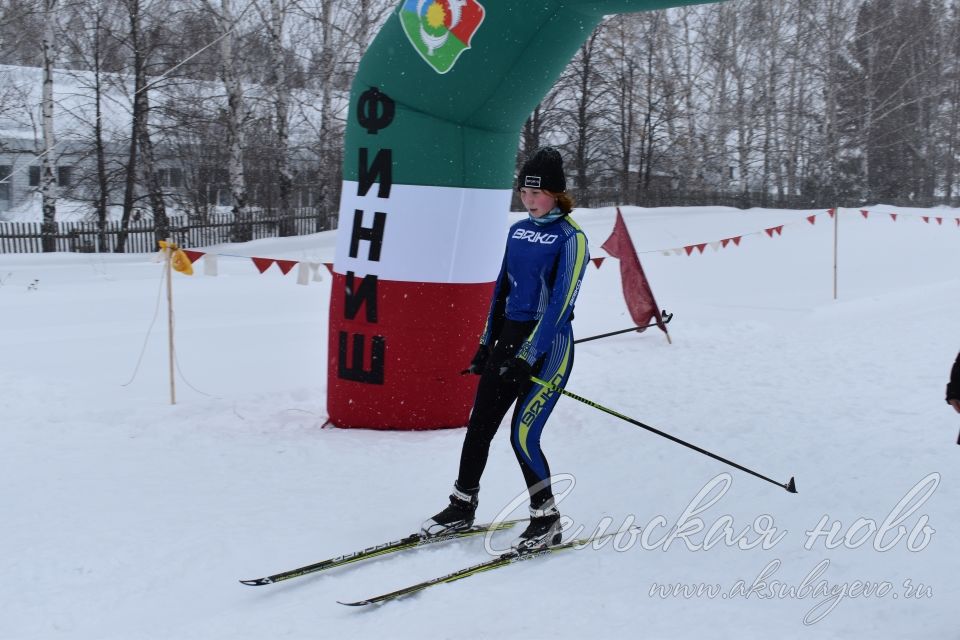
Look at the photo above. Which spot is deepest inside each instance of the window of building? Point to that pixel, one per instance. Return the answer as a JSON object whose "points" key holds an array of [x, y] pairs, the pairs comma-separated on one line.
{"points": [[305, 197], [6, 172], [64, 176], [219, 196], [171, 177]]}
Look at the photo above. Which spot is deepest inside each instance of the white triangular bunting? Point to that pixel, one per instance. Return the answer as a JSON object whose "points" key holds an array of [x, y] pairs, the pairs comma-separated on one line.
{"points": [[209, 264], [303, 273]]}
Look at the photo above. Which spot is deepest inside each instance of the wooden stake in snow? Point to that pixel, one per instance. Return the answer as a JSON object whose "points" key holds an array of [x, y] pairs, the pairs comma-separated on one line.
{"points": [[176, 260], [836, 230], [170, 247]]}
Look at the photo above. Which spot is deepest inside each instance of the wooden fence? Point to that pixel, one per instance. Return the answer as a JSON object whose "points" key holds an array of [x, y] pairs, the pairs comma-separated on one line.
{"points": [[142, 235]]}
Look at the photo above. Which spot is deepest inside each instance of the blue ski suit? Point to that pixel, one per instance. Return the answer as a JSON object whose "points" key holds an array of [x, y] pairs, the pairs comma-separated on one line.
{"points": [[529, 318]]}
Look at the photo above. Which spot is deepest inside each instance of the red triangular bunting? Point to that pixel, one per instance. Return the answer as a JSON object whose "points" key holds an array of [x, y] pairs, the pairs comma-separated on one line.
{"points": [[286, 265], [725, 242], [193, 255], [597, 262], [864, 213], [832, 212], [926, 219], [939, 220], [894, 216], [812, 219], [774, 230], [701, 247], [329, 266], [958, 221], [736, 240], [689, 249], [262, 263]]}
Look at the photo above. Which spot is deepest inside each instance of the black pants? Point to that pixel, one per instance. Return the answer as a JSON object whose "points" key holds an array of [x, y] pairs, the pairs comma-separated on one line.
{"points": [[533, 407]]}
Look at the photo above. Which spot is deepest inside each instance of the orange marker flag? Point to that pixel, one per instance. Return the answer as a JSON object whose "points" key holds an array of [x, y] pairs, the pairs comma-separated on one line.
{"points": [[179, 260]]}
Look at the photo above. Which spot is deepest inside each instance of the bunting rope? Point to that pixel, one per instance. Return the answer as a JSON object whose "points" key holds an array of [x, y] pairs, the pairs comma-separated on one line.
{"points": [[723, 243], [184, 259], [772, 232], [309, 271]]}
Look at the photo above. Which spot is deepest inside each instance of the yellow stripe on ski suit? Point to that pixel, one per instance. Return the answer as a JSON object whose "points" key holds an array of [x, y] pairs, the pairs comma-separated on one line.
{"points": [[581, 254], [532, 409], [577, 267]]}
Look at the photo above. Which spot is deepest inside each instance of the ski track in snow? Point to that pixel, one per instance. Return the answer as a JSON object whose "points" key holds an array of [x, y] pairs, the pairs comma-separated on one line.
{"points": [[130, 518]]}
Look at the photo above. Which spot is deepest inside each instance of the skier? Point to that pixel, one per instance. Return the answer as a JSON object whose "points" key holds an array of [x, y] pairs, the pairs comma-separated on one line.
{"points": [[953, 387], [527, 333]]}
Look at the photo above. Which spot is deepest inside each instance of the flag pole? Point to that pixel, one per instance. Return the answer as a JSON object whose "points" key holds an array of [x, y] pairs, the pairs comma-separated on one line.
{"points": [[169, 252], [836, 232]]}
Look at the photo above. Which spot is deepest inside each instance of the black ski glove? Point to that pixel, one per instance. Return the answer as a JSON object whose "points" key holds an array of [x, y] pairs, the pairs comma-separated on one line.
{"points": [[479, 362], [515, 371]]}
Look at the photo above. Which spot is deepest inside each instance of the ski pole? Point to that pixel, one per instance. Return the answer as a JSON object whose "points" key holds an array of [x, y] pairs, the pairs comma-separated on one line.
{"points": [[666, 318], [789, 486]]}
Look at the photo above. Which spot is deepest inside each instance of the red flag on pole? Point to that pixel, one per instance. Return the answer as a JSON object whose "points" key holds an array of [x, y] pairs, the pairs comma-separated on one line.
{"points": [[636, 290]]}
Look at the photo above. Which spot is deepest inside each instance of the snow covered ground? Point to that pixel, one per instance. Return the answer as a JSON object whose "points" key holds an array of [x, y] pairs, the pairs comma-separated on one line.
{"points": [[125, 517]]}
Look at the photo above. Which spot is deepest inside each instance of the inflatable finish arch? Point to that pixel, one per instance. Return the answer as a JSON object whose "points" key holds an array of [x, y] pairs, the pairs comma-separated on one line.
{"points": [[436, 110]]}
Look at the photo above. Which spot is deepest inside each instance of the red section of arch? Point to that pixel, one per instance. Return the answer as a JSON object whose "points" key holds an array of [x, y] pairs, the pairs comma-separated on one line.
{"points": [[431, 331]]}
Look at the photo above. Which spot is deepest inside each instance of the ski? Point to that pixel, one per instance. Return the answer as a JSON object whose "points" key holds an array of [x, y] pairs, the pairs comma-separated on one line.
{"points": [[500, 561], [413, 541]]}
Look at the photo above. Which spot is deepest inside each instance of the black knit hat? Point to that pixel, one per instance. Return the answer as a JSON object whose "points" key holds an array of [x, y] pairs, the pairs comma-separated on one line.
{"points": [[543, 170]]}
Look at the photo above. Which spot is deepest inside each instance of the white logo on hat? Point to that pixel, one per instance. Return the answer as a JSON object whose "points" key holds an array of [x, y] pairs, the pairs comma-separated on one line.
{"points": [[531, 181]]}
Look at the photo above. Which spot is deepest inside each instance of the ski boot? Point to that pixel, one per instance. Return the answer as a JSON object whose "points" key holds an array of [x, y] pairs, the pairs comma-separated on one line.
{"points": [[458, 515], [543, 531]]}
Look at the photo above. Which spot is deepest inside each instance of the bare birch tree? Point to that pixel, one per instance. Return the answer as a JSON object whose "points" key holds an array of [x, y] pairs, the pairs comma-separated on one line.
{"points": [[951, 114], [624, 63], [140, 170], [274, 21], [91, 43], [48, 163], [584, 100], [329, 159], [235, 115]]}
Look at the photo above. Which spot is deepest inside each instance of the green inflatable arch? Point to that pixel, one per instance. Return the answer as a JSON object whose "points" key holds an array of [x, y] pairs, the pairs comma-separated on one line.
{"points": [[436, 110]]}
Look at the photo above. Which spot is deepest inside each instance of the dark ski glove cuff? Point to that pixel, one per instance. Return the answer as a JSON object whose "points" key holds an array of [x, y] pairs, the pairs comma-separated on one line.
{"points": [[479, 362], [515, 371], [953, 387]]}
